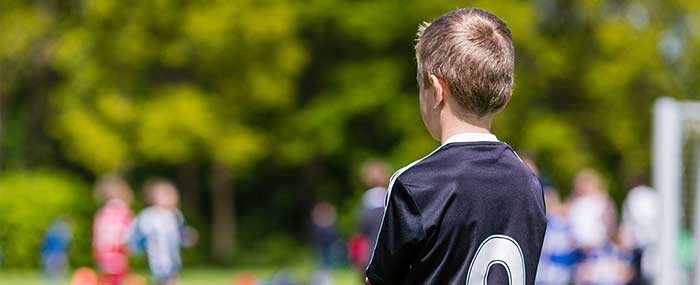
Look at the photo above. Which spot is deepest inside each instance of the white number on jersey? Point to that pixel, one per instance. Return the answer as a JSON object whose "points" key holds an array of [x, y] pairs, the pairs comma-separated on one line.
{"points": [[497, 249]]}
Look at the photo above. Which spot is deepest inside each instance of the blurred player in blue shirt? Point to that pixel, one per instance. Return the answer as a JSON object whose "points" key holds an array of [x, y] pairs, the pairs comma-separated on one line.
{"points": [[560, 254], [54, 250]]}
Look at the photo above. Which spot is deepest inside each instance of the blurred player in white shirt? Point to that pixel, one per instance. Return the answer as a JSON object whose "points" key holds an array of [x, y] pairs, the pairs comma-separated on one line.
{"points": [[640, 230], [161, 229], [594, 223]]}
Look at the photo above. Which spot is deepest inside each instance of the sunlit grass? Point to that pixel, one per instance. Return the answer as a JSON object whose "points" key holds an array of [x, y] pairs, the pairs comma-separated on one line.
{"points": [[203, 276]]}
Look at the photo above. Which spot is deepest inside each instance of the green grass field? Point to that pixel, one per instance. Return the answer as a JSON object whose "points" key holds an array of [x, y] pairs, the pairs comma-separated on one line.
{"points": [[198, 276]]}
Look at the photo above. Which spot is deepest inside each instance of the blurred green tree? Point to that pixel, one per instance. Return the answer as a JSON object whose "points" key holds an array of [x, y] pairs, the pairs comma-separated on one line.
{"points": [[169, 82], [159, 82], [283, 99]]}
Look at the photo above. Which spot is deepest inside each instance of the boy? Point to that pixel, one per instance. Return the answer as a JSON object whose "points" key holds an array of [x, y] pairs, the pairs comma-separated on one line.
{"points": [[162, 229], [110, 229], [470, 212]]}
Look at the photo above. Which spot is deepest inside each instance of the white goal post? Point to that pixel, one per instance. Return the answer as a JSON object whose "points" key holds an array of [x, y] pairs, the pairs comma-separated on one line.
{"points": [[674, 121]]}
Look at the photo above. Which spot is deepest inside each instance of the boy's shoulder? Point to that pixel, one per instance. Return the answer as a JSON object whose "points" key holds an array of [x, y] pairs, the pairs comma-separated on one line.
{"points": [[474, 164], [462, 158]]}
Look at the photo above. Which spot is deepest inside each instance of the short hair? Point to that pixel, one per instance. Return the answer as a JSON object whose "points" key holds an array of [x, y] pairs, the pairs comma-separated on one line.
{"points": [[472, 51], [592, 177], [153, 184], [112, 186], [375, 173]]}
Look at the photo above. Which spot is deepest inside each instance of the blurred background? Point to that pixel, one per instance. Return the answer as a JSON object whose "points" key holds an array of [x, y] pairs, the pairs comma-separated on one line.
{"points": [[259, 110]]}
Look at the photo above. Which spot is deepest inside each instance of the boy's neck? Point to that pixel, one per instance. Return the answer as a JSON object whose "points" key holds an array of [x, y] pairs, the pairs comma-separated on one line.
{"points": [[452, 125]]}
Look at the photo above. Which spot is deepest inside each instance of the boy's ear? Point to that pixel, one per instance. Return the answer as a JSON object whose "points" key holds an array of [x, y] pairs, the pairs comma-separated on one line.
{"points": [[439, 88], [510, 95]]}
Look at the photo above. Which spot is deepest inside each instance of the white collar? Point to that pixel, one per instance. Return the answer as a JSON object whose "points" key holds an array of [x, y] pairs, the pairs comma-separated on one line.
{"points": [[471, 137]]}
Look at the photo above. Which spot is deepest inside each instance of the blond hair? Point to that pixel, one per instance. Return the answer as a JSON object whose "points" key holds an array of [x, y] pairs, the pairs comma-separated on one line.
{"points": [[472, 51], [375, 173], [154, 184], [112, 186]]}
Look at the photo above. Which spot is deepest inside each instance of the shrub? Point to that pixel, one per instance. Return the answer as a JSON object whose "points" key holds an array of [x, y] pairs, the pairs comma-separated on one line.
{"points": [[30, 202]]}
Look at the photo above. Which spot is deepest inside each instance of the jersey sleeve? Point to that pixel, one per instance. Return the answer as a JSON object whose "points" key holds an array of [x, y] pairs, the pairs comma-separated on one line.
{"points": [[400, 236]]}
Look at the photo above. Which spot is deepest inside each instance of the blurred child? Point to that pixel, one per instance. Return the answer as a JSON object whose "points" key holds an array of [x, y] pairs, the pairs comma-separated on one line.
{"points": [[591, 210], [594, 222], [323, 237], [110, 229], [639, 228], [162, 229], [54, 250], [375, 175], [560, 254]]}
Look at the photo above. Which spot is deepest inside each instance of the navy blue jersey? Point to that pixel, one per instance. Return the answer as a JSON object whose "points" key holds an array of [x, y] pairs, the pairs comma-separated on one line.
{"points": [[470, 213]]}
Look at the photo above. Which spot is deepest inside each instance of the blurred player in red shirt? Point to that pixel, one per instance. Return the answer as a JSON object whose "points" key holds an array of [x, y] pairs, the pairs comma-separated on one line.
{"points": [[110, 229]]}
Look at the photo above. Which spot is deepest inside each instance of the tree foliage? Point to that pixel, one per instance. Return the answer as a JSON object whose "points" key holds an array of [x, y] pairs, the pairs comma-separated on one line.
{"points": [[290, 96]]}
